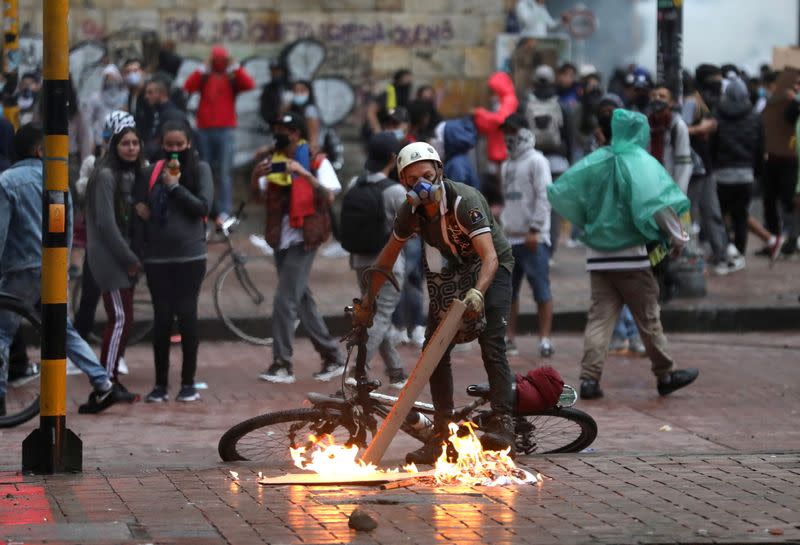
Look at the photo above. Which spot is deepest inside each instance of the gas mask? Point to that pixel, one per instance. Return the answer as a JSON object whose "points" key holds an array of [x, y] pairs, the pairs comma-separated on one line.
{"points": [[424, 192]]}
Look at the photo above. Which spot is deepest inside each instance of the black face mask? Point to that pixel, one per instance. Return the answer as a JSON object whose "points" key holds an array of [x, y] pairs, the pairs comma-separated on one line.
{"points": [[641, 101], [282, 141], [593, 96], [657, 106]]}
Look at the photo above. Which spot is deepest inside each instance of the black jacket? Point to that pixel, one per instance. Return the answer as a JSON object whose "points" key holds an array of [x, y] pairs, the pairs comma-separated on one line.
{"points": [[739, 140]]}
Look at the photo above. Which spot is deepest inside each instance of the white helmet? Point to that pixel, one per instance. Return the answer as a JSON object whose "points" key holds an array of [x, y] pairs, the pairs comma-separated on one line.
{"points": [[115, 122], [416, 152]]}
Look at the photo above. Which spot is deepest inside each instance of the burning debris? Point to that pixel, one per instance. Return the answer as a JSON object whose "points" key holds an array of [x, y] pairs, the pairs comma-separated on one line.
{"points": [[333, 463]]}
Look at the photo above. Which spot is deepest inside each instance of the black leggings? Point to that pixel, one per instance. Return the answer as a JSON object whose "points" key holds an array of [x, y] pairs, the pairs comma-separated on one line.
{"points": [[175, 289], [734, 201]]}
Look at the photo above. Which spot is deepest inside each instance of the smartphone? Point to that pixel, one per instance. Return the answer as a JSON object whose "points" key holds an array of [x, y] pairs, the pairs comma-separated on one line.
{"points": [[279, 167]]}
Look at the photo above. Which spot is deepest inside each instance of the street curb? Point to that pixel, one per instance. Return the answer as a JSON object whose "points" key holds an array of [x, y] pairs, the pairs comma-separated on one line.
{"points": [[710, 320]]}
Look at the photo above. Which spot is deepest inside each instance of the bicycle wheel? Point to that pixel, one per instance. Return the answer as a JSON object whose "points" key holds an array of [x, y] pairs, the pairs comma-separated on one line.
{"points": [[554, 430], [268, 437], [22, 389], [240, 304]]}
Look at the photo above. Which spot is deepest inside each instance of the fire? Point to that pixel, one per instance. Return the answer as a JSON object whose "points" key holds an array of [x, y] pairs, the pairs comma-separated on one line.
{"points": [[476, 466]]}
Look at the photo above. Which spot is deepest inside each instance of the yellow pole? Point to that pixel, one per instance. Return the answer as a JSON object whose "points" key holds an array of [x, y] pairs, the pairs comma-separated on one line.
{"points": [[53, 448], [11, 60]]}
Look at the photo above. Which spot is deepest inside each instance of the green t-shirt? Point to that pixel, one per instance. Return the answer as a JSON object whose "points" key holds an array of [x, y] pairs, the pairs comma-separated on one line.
{"points": [[464, 214]]}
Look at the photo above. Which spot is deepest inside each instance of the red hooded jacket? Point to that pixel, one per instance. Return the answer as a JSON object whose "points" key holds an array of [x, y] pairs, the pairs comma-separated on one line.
{"points": [[218, 86], [489, 122]]}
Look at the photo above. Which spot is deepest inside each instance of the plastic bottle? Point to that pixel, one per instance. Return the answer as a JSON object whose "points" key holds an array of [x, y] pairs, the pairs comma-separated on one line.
{"points": [[174, 165]]}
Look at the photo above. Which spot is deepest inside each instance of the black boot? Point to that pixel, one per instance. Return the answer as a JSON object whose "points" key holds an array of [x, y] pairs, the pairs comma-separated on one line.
{"points": [[429, 452], [498, 433]]}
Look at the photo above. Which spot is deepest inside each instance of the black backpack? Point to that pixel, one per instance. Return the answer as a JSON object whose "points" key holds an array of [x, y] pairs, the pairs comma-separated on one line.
{"points": [[363, 228]]}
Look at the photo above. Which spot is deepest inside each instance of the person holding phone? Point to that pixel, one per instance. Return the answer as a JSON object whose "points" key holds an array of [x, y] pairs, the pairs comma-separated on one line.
{"points": [[173, 198], [298, 222]]}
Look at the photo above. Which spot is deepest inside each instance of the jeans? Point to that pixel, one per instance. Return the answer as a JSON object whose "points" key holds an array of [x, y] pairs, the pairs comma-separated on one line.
{"points": [[497, 306], [609, 291], [409, 312], [378, 335], [217, 147], [26, 285], [174, 290], [535, 267], [626, 326], [294, 300], [703, 194]]}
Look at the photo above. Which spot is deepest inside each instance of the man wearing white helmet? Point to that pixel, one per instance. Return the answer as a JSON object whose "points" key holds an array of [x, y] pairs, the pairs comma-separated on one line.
{"points": [[466, 256]]}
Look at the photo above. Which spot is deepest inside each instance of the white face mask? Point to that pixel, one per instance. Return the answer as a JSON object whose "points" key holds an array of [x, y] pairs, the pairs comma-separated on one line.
{"points": [[133, 78]]}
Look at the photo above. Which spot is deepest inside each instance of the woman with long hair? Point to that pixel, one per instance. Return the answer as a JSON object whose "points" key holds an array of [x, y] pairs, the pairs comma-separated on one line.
{"points": [[109, 214], [173, 198]]}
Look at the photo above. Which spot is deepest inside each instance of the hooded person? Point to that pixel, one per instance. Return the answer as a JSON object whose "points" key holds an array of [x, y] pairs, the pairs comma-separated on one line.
{"points": [[112, 96], [737, 150], [460, 137], [219, 83], [488, 121], [623, 199]]}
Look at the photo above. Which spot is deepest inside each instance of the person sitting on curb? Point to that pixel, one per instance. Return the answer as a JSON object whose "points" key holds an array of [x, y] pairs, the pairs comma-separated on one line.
{"points": [[623, 199]]}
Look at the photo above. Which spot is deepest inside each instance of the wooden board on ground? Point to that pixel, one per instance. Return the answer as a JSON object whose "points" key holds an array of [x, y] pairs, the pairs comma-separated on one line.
{"points": [[313, 479], [428, 360]]}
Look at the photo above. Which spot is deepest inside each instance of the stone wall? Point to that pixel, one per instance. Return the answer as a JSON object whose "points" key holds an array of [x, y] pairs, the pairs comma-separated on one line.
{"points": [[449, 43]]}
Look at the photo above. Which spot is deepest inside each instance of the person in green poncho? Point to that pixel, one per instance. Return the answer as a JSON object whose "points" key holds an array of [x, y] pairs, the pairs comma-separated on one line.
{"points": [[624, 201]]}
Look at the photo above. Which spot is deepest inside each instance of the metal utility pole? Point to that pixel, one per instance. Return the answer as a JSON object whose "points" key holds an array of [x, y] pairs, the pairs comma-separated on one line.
{"points": [[10, 60], [669, 52], [52, 448]]}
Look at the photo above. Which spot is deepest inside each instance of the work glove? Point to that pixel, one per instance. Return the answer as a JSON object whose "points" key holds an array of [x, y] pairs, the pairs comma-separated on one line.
{"points": [[363, 313], [474, 301]]}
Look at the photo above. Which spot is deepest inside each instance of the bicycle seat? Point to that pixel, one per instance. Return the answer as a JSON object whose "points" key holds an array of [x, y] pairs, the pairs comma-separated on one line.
{"points": [[482, 390]]}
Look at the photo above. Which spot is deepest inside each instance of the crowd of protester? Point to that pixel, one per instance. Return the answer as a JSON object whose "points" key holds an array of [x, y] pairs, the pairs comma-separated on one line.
{"points": [[146, 178]]}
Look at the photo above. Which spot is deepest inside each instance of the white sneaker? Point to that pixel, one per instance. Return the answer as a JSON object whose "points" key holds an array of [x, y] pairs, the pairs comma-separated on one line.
{"points": [[732, 252], [122, 367], [260, 242], [333, 250], [546, 349], [737, 263], [418, 335], [72, 369]]}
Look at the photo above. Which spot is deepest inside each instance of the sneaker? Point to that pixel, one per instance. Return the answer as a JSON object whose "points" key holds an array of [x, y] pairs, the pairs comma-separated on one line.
{"points": [[546, 349], [618, 345], [789, 247], [637, 347], [676, 380], [187, 393], [775, 243], [200, 385], [731, 251], [498, 434], [737, 263], [574, 243], [98, 402], [157, 395], [122, 367], [418, 336], [121, 393], [330, 370], [428, 453], [19, 375], [278, 372], [590, 389], [72, 369], [511, 347], [397, 380]]}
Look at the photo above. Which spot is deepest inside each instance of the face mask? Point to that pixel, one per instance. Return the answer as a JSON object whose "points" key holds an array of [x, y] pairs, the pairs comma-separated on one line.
{"points": [[658, 106], [299, 100], [400, 134], [424, 192], [25, 99], [281, 140], [219, 65], [133, 78], [511, 142], [641, 101]]}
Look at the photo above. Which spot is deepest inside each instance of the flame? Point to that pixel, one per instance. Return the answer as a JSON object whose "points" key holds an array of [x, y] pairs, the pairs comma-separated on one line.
{"points": [[476, 466]]}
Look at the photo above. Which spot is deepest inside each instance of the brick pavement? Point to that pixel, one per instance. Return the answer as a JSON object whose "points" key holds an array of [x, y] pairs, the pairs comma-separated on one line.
{"points": [[726, 472]]}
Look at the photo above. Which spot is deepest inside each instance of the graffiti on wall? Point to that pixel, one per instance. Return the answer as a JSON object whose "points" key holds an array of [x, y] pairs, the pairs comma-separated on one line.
{"points": [[304, 59], [195, 30]]}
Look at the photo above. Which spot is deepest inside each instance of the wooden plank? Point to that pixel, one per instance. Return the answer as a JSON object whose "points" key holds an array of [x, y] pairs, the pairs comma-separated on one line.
{"points": [[313, 479], [428, 360]]}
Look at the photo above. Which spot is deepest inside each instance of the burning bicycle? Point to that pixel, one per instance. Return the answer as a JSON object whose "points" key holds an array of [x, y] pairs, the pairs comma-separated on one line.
{"points": [[351, 417]]}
